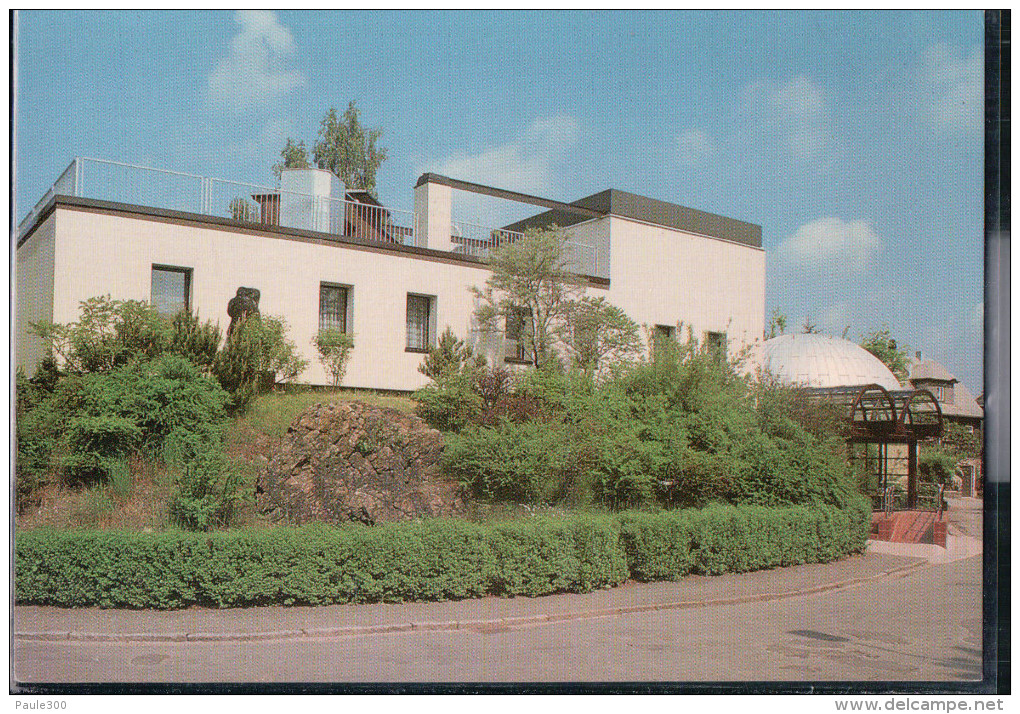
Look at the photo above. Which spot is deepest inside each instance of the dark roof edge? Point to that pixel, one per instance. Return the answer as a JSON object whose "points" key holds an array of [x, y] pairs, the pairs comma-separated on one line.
{"points": [[506, 194], [274, 231]]}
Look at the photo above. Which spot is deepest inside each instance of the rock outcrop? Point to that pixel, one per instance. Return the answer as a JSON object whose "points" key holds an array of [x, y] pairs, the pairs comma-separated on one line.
{"points": [[349, 461]]}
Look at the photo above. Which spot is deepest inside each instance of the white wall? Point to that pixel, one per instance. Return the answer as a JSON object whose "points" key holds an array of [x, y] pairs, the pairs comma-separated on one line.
{"points": [[662, 275], [104, 253], [659, 276], [34, 287]]}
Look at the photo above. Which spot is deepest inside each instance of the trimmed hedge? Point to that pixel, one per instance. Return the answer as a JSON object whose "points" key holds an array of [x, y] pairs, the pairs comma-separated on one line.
{"points": [[439, 559]]}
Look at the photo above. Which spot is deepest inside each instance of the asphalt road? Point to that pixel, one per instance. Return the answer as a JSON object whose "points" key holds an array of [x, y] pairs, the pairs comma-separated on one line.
{"points": [[921, 625]]}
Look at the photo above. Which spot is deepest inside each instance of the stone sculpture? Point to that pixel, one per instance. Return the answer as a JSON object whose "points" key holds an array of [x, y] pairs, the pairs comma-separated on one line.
{"points": [[245, 303]]}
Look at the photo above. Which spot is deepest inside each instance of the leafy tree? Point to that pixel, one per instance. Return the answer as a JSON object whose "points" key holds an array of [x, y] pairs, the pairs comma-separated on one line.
{"points": [[256, 356], [348, 149], [450, 354], [809, 328], [895, 356], [292, 156], [598, 332], [531, 281], [334, 348], [777, 325]]}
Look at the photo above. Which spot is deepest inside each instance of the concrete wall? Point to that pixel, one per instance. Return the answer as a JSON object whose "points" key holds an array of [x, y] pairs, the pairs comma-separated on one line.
{"points": [[34, 287], [662, 275]]}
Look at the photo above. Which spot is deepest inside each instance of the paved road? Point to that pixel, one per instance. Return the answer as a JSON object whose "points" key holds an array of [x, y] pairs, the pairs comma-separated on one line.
{"points": [[924, 624]]}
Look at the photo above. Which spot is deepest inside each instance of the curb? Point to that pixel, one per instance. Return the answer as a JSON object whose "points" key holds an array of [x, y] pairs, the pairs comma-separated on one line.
{"points": [[494, 625]]}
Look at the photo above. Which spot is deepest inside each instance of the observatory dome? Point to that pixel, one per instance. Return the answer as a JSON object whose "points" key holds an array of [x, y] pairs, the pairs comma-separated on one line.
{"points": [[814, 360]]}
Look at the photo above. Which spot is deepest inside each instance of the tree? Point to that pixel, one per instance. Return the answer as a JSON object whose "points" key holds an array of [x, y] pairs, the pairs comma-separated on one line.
{"points": [[777, 324], [531, 286], [348, 149], [292, 156], [881, 344], [598, 332], [809, 328], [448, 356], [334, 348]]}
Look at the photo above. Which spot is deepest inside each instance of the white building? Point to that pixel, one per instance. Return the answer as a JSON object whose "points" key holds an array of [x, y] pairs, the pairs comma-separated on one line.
{"points": [[325, 256]]}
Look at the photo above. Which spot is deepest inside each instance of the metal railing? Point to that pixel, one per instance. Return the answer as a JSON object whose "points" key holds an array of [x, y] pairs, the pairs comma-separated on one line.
{"points": [[121, 182]]}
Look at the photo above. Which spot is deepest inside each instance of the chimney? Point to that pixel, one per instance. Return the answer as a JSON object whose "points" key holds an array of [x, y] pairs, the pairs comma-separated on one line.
{"points": [[311, 199]]}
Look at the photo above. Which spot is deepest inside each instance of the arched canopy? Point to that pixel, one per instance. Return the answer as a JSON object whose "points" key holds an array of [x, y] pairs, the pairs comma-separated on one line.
{"points": [[876, 414]]}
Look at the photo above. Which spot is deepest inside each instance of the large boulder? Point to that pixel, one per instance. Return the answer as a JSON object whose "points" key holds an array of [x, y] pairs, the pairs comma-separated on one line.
{"points": [[349, 461]]}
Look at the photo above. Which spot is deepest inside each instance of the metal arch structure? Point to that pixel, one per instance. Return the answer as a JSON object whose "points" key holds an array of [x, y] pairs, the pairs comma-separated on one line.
{"points": [[878, 419]]}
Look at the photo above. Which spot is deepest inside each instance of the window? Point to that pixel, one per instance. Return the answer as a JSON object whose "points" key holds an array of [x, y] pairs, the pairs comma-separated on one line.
{"points": [[333, 303], [171, 289], [716, 344], [419, 323], [516, 332]]}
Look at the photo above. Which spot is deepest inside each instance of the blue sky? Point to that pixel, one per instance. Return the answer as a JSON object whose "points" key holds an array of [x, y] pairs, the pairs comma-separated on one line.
{"points": [[854, 139]]}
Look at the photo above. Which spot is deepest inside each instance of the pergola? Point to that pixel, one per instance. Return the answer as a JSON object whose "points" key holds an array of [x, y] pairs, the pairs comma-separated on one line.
{"points": [[878, 418]]}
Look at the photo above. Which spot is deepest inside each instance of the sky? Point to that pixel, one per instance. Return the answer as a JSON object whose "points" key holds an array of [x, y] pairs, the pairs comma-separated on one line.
{"points": [[855, 139]]}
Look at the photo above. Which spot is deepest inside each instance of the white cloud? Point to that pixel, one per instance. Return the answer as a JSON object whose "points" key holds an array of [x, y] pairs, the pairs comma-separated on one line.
{"points": [[954, 84], [694, 146], [832, 244], [526, 163], [798, 113], [256, 68]]}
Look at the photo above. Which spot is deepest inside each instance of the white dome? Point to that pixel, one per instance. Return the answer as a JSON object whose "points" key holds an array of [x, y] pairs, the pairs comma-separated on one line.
{"points": [[814, 360]]}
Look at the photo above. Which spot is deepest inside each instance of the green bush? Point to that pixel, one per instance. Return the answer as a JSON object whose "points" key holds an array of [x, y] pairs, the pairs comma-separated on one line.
{"points": [[334, 348], [450, 403], [94, 445], [256, 356], [196, 341], [437, 559]]}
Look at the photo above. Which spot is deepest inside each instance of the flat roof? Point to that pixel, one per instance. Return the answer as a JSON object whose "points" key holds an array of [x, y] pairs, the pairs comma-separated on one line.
{"points": [[650, 210]]}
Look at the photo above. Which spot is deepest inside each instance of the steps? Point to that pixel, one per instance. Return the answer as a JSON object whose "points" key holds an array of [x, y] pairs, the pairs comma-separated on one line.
{"points": [[909, 527]]}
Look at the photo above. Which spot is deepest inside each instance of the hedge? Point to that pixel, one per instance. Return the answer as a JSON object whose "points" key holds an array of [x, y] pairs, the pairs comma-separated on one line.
{"points": [[441, 559]]}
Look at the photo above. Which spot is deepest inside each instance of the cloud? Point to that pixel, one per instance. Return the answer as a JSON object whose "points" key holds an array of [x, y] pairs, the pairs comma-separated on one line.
{"points": [[256, 69], [954, 83], [526, 163], [796, 113], [694, 146], [832, 244]]}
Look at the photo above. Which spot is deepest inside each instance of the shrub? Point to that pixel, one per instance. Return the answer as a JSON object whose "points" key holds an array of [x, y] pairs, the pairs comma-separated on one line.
{"points": [[450, 354], [256, 356], [94, 446], [334, 348], [937, 465], [450, 403], [436, 559], [194, 340]]}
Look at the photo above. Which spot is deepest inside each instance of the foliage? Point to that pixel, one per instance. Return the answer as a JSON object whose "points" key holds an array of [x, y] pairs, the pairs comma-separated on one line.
{"points": [[194, 340], [256, 356], [241, 209], [530, 281], [93, 445], [437, 559], [937, 465], [108, 334], [450, 354], [961, 441], [809, 328], [348, 149], [292, 156], [894, 356], [334, 348], [598, 333], [777, 325], [449, 403]]}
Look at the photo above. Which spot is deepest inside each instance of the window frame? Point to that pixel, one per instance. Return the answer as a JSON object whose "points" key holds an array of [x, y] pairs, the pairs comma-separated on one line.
{"points": [[188, 282], [430, 323], [348, 291]]}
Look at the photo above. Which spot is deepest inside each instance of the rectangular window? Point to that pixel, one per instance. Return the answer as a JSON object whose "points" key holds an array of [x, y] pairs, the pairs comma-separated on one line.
{"points": [[517, 322], [419, 323], [333, 301], [716, 344], [171, 288]]}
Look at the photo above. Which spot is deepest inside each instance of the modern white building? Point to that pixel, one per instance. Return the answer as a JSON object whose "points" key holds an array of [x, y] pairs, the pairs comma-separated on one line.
{"points": [[323, 255]]}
